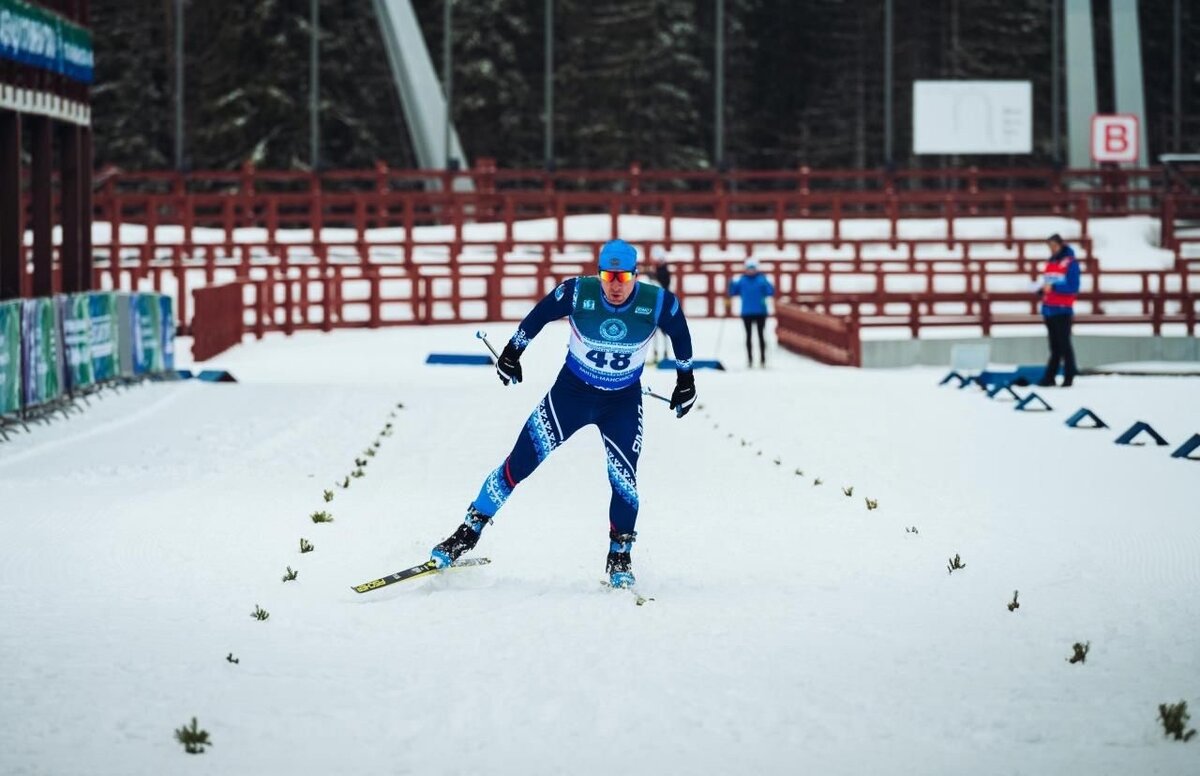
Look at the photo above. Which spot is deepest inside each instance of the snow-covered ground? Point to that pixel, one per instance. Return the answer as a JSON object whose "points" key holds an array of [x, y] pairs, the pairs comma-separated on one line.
{"points": [[793, 631]]}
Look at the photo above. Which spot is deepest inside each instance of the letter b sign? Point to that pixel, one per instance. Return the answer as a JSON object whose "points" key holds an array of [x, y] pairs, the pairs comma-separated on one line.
{"points": [[1115, 138]]}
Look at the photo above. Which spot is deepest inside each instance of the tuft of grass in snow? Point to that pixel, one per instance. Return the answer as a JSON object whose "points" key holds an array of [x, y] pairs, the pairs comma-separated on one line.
{"points": [[305, 545], [322, 517], [1081, 651], [290, 575], [1014, 605], [1174, 718], [193, 739], [259, 613], [955, 563]]}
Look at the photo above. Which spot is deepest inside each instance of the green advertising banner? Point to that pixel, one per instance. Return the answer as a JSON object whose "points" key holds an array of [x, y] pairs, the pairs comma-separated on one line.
{"points": [[102, 316], [40, 352], [77, 340], [40, 38], [10, 356], [147, 334], [167, 319]]}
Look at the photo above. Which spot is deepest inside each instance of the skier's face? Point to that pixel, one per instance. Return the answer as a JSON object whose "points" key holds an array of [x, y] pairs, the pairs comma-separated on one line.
{"points": [[617, 285]]}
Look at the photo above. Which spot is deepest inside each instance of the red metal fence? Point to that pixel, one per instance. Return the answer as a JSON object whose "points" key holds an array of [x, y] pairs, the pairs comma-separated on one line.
{"points": [[308, 252]]}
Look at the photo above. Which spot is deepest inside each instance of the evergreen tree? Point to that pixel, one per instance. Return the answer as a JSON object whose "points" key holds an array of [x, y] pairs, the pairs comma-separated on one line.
{"points": [[132, 105]]}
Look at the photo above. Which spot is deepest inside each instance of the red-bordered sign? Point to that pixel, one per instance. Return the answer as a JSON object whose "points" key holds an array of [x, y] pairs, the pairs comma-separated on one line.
{"points": [[1115, 137]]}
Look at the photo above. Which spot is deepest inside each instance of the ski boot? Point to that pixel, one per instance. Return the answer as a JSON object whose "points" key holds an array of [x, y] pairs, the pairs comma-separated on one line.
{"points": [[619, 567], [461, 540]]}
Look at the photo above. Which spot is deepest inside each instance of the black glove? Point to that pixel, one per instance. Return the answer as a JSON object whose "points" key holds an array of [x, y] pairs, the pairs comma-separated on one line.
{"points": [[684, 395], [508, 367]]}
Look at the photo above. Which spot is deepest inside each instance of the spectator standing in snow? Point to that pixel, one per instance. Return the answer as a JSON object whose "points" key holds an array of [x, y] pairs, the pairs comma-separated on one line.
{"points": [[1060, 284], [753, 289]]}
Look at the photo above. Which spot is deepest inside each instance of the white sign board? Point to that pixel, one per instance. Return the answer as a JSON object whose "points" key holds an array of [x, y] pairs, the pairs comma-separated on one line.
{"points": [[972, 117], [1115, 137]]}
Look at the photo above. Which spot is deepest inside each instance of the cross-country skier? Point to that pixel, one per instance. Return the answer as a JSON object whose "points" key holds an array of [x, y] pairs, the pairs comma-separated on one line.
{"points": [[613, 320]]}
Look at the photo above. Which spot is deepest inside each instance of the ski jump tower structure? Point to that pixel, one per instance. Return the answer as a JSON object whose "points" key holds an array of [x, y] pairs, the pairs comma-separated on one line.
{"points": [[422, 98]]}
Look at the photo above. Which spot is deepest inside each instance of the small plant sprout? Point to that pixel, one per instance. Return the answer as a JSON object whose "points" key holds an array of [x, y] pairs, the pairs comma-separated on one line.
{"points": [[387, 426], [1174, 718], [369, 452], [955, 563], [743, 443], [259, 613], [759, 452], [345, 483], [1014, 605], [778, 461], [399, 405], [375, 445], [912, 530], [360, 462], [232, 659], [872, 503], [817, 481], [193, 739], [357, 473], [328, 496], [322, 517], [848, 491], [799, 472], [305, 545], [290, 575], [1081, 651]]}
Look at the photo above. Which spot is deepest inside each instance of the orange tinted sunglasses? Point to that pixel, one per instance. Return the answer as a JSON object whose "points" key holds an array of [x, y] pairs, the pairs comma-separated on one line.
{"points": [[608, 275]]}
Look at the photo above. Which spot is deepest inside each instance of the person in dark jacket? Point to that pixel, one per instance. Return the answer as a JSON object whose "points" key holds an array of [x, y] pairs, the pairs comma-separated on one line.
{"points": [[1060, 284]]}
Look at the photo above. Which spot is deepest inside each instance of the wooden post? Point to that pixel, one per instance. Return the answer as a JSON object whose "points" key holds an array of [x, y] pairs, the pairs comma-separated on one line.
{"points": [[85, 210], [41, 199], [72, 217], [12, 250]]}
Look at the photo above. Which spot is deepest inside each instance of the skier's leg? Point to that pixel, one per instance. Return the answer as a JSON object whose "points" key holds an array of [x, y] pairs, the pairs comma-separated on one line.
{"points": [[621, 431], [546, 429], [550, 424]]}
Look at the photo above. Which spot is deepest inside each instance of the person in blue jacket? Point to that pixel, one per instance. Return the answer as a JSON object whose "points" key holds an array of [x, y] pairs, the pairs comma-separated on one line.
{"points": [[753, 289], [613, 320], [1060, 284]]}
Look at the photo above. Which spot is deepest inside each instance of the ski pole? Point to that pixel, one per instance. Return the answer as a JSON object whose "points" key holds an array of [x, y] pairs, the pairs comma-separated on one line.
{"points": [[647, 391], [479, 334]]}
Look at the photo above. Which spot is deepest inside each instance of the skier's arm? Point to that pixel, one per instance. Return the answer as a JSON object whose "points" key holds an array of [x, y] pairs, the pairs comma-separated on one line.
{"points": [[556, 304], [672, 322]]}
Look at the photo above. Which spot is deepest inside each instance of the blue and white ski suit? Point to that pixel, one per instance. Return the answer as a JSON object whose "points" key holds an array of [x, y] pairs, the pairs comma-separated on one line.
{"points": [[599, 384]]}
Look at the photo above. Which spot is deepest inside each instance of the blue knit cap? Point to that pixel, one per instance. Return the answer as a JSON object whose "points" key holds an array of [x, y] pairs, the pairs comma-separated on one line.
{"points": [[618, 255]]}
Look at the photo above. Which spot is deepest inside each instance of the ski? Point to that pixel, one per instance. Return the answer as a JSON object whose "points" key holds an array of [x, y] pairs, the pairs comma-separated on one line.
{"points": [[413, 572]]}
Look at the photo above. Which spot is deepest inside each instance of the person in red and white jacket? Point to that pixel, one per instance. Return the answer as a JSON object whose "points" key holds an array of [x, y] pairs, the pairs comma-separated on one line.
{"points": [[1060, 284]]}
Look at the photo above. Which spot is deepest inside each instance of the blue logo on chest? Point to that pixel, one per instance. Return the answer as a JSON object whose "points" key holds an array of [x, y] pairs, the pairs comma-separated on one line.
{"points": [[613, 329]]}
